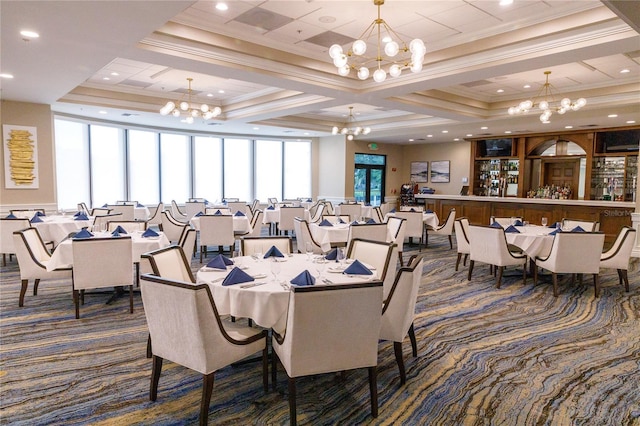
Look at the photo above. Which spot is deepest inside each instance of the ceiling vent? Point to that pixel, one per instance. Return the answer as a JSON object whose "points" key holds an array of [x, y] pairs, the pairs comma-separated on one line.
{"points": [[263, 19]]}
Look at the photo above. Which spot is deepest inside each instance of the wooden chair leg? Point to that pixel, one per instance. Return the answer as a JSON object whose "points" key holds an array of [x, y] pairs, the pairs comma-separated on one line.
{"points": [[450, 243], [554, 278], [470, 270], [596, 286], [373, 389], [524, 273], [397, 349], [274, 369], [207, 389], [400, 258], [76, 302], [412, 337], [131, 299], [202, 248], [23, 291], [292, 402], [499, 278], [149, 350], [458, 261], [35, 286], [535, 274], [464, 261], [4, 259], [625, 278], [156, 368], [265, 369]]}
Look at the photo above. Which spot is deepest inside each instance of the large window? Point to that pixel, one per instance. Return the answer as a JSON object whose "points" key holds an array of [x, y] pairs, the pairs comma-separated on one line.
{"points": [[99, 164]]}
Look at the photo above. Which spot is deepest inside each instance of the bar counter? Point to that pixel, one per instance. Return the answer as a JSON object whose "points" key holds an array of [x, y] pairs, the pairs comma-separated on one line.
{"points": [[612, 215]]}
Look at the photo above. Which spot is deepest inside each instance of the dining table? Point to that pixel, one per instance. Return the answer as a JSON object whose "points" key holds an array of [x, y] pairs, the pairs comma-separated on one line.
{"points": [[57, 227], [271, 216], [266, 299], [241, 224], [330, 236], [428, 218], [534, 240], [62, 257]]}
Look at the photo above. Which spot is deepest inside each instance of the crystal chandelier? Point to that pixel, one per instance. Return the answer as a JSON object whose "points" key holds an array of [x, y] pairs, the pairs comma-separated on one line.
{"points": [[545, 95], [184, 107], [380, 33], [351, 128]]}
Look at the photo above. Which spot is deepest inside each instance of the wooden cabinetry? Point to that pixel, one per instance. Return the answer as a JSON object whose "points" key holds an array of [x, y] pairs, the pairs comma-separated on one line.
{"points": [[495, 176]]}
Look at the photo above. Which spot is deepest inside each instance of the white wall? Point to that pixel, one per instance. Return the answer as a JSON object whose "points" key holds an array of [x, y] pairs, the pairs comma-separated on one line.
{"points": [[331, 167]]}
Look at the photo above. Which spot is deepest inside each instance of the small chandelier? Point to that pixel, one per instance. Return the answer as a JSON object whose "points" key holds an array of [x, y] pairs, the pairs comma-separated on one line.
{"points": [[177, 109], [393, 45], [351, 128], [546, 95]]}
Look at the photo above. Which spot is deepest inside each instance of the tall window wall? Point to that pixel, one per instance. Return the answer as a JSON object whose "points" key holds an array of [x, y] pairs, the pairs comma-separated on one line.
{"points": [[99, 164]]}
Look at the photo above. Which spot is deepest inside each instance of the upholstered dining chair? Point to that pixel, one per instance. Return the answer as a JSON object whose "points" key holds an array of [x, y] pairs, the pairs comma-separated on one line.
{"points": [[335, 219], [82, 207], [587, 225], [177, 213], [216, 230], [287, 216], [445, 228], [353, 210], [572, 253], [396, 227], [617, 257], [461, 229], [100, 222], [504, 221], [398, 310], [171, 263], [100, 211], [188, 242], [7, 227], [126, 210], [373, 231], [414, 226], [192, 208], [377, 214], [316, 216], [329, 210], [348, 338], [256, 225], [380, 255], [237, 206], [101, 263], [127, 225], [28, 214], [172, 228], [252, 245], [33, 258], [303, 236], [200, 341], [156, 217], [489, 245]]}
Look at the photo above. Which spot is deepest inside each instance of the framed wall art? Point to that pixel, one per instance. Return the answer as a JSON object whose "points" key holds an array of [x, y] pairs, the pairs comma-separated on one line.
{"points": [[20, 144], [440, 171], [419, 171]]}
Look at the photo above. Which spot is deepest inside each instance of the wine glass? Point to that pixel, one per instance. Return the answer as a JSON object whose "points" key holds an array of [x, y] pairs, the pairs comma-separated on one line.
{"points": [[319, 264], [257, 255], [340, 256], [544, 221], [237, 258], [275, 269], [308, 247]]}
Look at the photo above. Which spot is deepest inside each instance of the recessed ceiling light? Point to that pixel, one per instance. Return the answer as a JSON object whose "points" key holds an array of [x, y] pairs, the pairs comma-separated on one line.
{"points": [[612, 115], [222, 6], [527, 86], [256, 128], [445, 131], [469, 135], [456, 139], [429, 136], [505, 2], [500, 90], [631, 121], [507, 131], [106, 78], [410, 140], [102, 112], [5, 75], [220, 91], [568, 127], [483, 128], [114, 73], [306, 133], [209, 95], [624, 71], [29, 34]]}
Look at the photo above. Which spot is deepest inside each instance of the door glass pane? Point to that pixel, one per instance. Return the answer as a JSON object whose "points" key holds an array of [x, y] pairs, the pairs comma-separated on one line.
{"points": [[297, 169], [238, 167], [72, 164], [268, 170], [375, 187], [107, 164], [144, 160], [360, 184], [175, 172], [207, 161]]}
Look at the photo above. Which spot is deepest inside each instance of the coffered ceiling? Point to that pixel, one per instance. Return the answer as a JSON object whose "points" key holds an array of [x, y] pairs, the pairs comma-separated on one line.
{"points": [[266, 64]]}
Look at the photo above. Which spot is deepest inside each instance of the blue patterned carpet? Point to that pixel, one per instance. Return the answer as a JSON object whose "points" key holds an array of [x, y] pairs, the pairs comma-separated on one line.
{"points": [[513, 356]]}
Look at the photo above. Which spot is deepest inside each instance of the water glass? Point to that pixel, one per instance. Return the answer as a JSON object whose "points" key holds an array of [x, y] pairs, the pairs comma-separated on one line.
{"points": [[319, 264], [275, 269], [308, 248], [544, 221], [237, 258]]}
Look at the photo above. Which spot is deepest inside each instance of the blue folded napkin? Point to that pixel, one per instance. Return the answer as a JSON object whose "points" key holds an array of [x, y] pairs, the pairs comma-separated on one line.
{"points": [[355, 222], [217, 213], [150, 233], [578, 229], [36, 219], [518, 223], [370, 220], [11, 216], [77, 214], [271, 208], [273, 252], [332, 255], [512, 229], [198, 214], [325, 222], [357, 268], [39, 213], [105, 205], [239, 213], [340, 220], [428, 211], [115, 234], [119, 230], [237, 276], [82, 234], [309, 200], [412, 209], [219, 262], [304, 278], [554, 225], [81, 216], [392, 211], [555, 232], [139, 205], [496, 225]]}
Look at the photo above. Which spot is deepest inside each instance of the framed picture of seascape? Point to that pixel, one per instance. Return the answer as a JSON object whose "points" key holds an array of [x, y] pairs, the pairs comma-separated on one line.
{"points": [[439, 171], [419, 171]]}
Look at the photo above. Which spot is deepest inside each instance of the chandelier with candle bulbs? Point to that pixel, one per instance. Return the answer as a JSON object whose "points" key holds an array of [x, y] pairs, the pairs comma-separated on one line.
{"points": [[390, 50], [351, 128], [186, 108], [544, 101]]}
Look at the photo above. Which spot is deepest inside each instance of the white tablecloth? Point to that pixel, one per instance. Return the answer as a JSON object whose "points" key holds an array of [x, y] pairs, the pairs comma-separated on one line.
{"points": [[273, 216], [62, 257], [267, 304], [365, 211], [56, 228], [532, 239], [326, 235], [241, 224], [430, 219]]}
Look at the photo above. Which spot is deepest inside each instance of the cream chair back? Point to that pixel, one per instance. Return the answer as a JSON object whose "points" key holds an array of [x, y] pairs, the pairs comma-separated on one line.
{"points": [[171, 263], [380, 255], [252, 245], [287, 216], [102, 262], [172, 228], [188, 242], [303, 236], [7, 228], [316, 216], [414, 226], [216, 231], [156, 216], [489, 245], [373, 232], [574, 253], [617, 257], [461, 227], [127, 211], [353, 210], [101, 222], [587, 225], [237, 206], [192, 208], [129, 226]]}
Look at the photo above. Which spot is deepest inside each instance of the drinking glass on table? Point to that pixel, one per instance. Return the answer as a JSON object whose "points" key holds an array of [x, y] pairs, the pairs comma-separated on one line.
{"points": [[275, 269], [320, 262], [544, 221], [308, 248], [237, 258], [340, 256]]}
